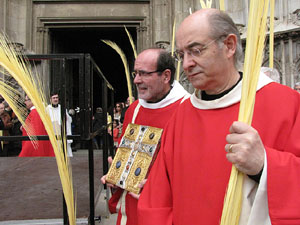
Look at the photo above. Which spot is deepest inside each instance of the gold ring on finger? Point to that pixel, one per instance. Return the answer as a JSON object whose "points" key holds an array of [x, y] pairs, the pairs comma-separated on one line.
{"points": [[230, 148]]}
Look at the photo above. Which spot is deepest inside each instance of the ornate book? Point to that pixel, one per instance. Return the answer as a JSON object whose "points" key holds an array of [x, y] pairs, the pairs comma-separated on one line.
{"points": [[136, 151]]}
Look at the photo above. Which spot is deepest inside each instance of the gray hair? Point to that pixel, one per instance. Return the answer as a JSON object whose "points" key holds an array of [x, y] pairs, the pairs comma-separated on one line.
{"points": [[222, 25], [272, 73], [297, 84]]}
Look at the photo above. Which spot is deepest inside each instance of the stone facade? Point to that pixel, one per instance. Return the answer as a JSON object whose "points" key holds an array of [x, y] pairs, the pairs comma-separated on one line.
{"points": [[28, 22]]}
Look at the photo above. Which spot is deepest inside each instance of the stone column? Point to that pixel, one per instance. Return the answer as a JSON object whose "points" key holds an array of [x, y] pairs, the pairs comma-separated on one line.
{"points": [[162, 23], [28, 38], [291, 67], [3, 21], [283, 62]]}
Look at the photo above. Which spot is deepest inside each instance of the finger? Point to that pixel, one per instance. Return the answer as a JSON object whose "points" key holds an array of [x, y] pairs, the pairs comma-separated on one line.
{"points": [[134, 195], [142, 183], [103, 179], [239, 127], [229, 148], [110, 159]]}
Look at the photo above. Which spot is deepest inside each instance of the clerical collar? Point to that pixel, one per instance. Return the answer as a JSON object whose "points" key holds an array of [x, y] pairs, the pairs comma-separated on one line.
{"points": [[54, 106], [207, 97], [163, 96]]}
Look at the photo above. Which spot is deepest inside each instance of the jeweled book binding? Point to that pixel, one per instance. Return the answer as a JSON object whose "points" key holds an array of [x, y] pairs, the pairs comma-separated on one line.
{"points": [[138, 148]]}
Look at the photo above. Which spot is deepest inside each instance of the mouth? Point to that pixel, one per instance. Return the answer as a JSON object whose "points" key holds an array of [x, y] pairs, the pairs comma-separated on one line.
{"points": [[194, 74], [141, 88]]}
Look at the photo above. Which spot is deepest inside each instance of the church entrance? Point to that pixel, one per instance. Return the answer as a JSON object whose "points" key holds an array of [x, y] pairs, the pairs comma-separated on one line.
{"points": [[88, 40]]}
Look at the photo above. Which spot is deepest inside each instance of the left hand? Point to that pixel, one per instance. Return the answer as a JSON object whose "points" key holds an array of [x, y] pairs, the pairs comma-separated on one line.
{"points": [[247, 149], [141, 185]]}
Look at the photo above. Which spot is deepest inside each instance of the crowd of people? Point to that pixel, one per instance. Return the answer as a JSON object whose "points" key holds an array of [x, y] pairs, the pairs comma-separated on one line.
{"points": [[9, 126]]}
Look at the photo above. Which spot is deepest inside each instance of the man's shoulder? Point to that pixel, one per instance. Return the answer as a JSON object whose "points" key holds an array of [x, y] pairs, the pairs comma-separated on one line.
{"points": [[279, 90], [133, 105]]}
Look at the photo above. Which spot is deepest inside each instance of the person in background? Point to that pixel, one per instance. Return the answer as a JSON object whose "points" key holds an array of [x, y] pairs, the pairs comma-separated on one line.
{"points": [[159, 96], [98, 123], [297, 87], [127, 104], [5, 126], [118, 111], [272, 73], [54, 110], [36, 126], [115, 133], [14, 147]]}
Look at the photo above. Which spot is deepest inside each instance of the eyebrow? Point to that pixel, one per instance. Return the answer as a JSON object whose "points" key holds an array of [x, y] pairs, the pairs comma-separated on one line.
{"points": [[193, 44]]}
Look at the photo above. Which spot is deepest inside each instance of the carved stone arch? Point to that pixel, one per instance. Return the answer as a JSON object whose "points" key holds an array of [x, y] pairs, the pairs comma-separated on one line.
{"points": [[297, 69]]}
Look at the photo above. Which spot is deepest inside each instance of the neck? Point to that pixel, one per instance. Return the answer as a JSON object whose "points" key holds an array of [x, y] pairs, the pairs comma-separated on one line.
{"points": [[209, 97], [161, 97], [229, 83]]}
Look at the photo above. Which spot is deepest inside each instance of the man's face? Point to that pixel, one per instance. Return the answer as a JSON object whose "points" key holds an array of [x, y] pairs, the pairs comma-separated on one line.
{"points": [[206, 69], [2, 108], [54, 99], [297, 88], [151, 87], [28, 102]]}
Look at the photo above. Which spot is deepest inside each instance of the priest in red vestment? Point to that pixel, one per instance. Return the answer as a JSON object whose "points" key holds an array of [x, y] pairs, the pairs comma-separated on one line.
{"points": [[159, 96], [188, 181], [36, 126]]}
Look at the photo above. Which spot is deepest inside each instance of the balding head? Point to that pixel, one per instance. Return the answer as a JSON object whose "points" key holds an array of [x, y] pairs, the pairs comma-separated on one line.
{"points": [[217, 24], [208, 54]]}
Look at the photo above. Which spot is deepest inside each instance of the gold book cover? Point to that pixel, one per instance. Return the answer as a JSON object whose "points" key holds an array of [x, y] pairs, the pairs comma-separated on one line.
{"points": [[137, 149]]}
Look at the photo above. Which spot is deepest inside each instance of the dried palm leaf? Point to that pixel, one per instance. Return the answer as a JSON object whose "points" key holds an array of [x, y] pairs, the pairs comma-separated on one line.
{"points": [[253, 59], [17, 66], [125, 63]]}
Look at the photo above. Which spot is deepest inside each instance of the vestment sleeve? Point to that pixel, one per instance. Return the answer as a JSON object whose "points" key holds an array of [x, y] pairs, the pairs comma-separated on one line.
{"points": [[284, 177], [155, 203]]}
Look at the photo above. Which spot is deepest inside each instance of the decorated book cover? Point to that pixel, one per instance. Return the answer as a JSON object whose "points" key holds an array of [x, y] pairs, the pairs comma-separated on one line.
{"points": [[137, 149]]}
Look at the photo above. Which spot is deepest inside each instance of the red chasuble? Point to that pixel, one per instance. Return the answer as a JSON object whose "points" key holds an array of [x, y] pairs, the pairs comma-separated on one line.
{"points": [[188, 181], [44, 148], [155, 115]]}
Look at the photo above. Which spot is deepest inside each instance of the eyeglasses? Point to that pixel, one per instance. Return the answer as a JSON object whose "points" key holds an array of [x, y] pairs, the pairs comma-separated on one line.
{"points": [[143, 73], [194, 52]]}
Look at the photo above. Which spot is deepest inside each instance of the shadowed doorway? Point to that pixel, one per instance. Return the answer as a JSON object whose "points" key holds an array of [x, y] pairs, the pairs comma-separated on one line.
{"points": [[88, 40]]}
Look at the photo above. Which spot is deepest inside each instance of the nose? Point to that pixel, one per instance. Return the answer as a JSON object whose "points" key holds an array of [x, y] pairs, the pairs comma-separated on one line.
{"points": [[188, 62], [137, 79]]}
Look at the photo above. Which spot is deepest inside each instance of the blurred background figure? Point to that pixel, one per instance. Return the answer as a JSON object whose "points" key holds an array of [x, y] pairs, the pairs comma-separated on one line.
{"points": [[118, 111], [98, 128], [54, 110], [5, 125], [297, 87], [114, 133], [272, 73], [127, 104], [36, 126], [14, 147]]}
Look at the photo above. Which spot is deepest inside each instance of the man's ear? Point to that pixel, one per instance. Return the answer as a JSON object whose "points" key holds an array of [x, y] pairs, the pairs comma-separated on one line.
{"points": [[166, 75], [230, 43]]}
